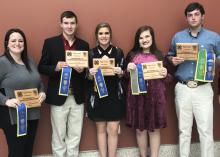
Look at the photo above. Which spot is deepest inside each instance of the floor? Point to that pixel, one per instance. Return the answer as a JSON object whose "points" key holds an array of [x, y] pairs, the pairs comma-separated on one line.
{"points": [[165, 151]]}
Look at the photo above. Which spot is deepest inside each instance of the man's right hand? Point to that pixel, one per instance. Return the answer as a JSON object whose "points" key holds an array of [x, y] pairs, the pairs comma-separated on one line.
{"points": [[176, 60], [60, 65]]}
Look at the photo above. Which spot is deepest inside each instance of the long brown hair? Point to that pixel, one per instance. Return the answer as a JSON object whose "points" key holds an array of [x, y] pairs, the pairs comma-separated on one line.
{"points": [[137, 49]]}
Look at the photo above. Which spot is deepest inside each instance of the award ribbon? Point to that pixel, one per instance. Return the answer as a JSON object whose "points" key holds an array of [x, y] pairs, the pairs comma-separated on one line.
{"points": [[65, 81], [210, 67], [141, 81], [205, 66], [134, 82], [137, 81], [100, 84], [21, 120]]}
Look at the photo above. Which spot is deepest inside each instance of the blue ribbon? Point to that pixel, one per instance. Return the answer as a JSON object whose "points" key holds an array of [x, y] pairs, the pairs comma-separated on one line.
{"points": [[21, 120], [65, 81], [210, 66], [141, 81], [100, 84]]}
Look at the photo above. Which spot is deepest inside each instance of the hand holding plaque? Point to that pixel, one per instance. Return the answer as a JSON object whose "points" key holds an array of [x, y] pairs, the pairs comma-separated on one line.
{"points": [[187, 51], [28, 96], [153, 70], [106, 64], [77, 58]]}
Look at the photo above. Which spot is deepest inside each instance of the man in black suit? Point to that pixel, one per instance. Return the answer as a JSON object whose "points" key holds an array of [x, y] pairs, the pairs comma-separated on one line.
{"points": [[66, 111]]}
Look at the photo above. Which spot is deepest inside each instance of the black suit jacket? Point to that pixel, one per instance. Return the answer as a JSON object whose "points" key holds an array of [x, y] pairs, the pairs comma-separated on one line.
{"points": [[53, 51]]}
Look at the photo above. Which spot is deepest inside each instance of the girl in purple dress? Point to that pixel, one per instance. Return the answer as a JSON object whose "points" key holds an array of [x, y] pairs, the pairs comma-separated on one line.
{"points": [[146, 112]]}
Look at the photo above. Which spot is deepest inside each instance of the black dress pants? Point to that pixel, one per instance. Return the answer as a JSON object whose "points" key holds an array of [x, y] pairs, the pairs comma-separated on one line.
{"points": [[18, 146]]}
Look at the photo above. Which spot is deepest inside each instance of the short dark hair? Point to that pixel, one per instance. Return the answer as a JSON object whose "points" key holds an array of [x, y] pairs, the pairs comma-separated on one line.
{"points": [[103, 25], [194, 6], [24, 55], [68, 14]]}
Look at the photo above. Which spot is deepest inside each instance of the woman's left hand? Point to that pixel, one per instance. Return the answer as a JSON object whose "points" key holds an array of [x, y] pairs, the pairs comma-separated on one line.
{"points": [[42, 97], [118, 70], [163, 72]]}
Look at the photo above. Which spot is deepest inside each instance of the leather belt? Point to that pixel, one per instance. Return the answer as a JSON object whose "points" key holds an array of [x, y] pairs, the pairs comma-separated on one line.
{"points": [[192, 83]]}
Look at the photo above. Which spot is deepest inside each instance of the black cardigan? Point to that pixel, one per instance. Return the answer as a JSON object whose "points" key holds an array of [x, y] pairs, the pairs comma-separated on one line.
{"points": [[53, 51]]}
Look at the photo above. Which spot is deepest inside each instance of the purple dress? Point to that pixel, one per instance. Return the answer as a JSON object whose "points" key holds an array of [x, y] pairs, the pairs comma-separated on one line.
{"points": [[147, 111]]}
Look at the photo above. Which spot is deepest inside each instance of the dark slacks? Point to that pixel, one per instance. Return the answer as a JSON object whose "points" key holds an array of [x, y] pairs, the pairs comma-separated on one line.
{"points": [[18, 146]]}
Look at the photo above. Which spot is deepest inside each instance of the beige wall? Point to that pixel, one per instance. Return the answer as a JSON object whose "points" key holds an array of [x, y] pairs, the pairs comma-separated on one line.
{"points": [[40, 19]]}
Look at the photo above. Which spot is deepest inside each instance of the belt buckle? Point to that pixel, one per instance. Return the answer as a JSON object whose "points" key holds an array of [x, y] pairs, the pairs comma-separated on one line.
{"points": [[192, 84]]}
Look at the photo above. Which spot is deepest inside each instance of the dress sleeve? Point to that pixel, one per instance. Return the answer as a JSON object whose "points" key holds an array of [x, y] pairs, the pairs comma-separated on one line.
{"points": [[170, 70]]}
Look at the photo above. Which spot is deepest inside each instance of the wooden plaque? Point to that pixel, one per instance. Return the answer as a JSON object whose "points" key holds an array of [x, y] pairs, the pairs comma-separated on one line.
{"points": [[152, 70], [77, 58], [28, 96], [107, 65], [187, 51]]}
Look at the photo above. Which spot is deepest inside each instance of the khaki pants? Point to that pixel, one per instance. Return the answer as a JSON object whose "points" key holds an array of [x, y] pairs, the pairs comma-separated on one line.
{"points": [[198, 103], [66, 123]]}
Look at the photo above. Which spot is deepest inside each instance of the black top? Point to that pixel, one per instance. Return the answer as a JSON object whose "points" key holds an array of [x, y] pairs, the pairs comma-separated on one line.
{"points": [[53, 51], [108, 108]]}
